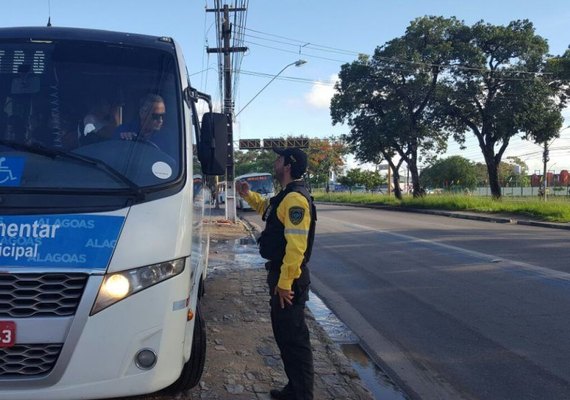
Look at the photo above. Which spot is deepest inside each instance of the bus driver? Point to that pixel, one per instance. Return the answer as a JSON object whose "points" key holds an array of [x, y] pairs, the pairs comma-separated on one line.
{"points": [[152, 112]]}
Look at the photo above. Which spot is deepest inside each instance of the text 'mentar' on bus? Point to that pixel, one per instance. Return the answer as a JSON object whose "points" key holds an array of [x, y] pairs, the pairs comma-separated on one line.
{"points": [[99, 218], [260, 182]]}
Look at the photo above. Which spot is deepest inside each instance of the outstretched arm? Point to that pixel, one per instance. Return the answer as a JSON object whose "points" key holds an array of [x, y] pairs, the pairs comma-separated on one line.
{"points": [[254, 199]]}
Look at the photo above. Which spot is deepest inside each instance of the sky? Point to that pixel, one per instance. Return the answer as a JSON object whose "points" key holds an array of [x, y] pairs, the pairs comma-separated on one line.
{"points": [[326, 34]]}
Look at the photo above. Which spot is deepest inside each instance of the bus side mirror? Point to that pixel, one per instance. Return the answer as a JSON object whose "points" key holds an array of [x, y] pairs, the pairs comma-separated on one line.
{"points": [[213, 146]]}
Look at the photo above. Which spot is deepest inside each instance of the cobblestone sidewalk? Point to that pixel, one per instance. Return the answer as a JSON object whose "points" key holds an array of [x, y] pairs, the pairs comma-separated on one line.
{"points": [[243, 361]]}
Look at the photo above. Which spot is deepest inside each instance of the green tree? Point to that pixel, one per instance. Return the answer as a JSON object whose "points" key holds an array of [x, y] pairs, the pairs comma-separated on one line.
{"points": [[513, 172], [452, 171], [481, 174], [559, 69], [352, 178], [387, 100], [372, 179], [246, 161], [325, 156], [496, 90]]}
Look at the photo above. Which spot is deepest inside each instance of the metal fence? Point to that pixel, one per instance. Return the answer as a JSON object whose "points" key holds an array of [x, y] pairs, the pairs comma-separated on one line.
{"points": [[528, 191]]}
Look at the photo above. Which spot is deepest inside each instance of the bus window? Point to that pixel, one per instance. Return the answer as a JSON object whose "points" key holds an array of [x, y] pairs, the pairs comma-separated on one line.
{"points": [[221, 193], [99, 86], [261, 183]]}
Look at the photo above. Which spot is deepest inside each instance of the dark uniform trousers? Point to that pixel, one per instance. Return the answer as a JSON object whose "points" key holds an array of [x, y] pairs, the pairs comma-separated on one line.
{"points": [[292, 337]]}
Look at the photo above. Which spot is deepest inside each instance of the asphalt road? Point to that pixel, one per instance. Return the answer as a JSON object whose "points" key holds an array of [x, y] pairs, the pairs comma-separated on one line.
{"points": [[452, 308]]}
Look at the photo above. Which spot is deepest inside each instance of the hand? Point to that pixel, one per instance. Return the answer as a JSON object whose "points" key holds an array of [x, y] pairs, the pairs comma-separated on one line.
{"points": [[128, 135], [285, 296], [242, 188]]}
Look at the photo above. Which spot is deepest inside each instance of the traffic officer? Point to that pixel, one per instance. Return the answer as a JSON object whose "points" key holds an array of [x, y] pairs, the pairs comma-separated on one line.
{"points": [[286, 242]]}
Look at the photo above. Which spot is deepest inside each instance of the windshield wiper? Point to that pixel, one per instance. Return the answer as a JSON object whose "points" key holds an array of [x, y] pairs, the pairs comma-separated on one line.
{"points": [[54, 153]]}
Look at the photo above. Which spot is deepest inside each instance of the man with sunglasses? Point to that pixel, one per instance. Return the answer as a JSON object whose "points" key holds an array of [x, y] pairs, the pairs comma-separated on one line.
{"points": [[152, 113]]}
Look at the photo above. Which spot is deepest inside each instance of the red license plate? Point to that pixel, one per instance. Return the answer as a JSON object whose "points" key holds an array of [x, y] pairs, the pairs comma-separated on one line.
{"points": [[7, 333]]}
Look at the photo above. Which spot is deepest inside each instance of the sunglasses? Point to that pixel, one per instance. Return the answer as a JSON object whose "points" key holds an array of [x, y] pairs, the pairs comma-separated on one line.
{"points": [[156, 117]]}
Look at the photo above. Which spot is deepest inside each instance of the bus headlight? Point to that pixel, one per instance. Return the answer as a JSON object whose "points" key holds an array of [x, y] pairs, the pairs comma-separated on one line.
{"points": [[120, 285], [117, 286]]}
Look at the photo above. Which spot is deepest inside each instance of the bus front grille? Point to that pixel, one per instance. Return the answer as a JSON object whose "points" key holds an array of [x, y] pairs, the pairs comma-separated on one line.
{"points": [[40, 295], [28, 360]]}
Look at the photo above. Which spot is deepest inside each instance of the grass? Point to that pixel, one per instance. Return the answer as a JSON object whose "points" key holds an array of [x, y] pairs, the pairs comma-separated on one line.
{"points": [[554, 210]]}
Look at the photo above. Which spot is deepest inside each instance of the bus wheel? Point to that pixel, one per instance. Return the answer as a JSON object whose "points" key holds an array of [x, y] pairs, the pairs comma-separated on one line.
{"points": [[192, 370], [201, 289]]}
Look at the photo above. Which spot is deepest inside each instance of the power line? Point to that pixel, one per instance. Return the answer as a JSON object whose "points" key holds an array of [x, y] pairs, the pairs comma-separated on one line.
{"points": [[240, 19], [306, 45], [288, 78], [388, 59], [302, 42], [219, 44], [294, 52]]}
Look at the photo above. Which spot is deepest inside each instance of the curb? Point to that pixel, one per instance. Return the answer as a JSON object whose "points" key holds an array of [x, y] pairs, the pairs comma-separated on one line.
{"points": [[543, 224], [250, 227], [454, 214]]}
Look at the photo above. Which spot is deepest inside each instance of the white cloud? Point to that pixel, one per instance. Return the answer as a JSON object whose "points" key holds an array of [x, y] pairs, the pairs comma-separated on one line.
{"points": [[321, 93]]}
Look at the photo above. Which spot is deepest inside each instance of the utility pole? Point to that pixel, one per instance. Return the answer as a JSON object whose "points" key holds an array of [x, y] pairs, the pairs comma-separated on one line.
{"points": [[545, 160], [228, 103]]}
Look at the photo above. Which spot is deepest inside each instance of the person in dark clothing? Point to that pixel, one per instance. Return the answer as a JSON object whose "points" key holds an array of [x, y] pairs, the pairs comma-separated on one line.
{"points": [[286, 242]]}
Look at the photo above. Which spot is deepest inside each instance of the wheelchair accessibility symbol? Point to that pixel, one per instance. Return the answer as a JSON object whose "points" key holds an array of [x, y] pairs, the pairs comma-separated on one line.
{"points": [[11, 170]]}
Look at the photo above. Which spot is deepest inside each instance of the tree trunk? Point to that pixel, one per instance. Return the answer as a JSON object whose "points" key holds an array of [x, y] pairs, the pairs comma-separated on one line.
{"points": [[493, 171], [395, 175], [417, 190], [397, 190], [492, 160]]}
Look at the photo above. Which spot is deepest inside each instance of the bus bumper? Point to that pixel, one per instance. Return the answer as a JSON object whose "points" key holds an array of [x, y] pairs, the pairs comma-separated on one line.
{"points": [[98, 357]]}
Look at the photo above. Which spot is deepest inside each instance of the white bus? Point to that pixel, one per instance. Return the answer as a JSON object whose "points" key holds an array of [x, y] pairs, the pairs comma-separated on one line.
{"points": [[221, 192], [102, 258], [261, 183]]}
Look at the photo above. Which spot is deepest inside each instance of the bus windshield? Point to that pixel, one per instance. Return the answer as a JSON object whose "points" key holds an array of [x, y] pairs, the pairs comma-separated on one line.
{"points": [[88, 116], [262, 183]]}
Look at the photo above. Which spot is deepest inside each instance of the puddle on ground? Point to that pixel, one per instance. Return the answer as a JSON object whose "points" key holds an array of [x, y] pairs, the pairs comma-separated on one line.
{"points": [[239, 253], [244, 253], [379, 384], [334, 327], [246, 241]]}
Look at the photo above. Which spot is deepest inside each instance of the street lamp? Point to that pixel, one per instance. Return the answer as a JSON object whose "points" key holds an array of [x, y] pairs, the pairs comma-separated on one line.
{"points": [[297, 63]]}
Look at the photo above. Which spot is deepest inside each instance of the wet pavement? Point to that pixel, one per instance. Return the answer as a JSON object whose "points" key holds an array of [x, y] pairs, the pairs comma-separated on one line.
{"points": [[372, 376]]}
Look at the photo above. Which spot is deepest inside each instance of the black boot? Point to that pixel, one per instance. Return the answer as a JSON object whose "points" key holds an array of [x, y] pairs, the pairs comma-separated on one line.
{"points": [[284, 394]]}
